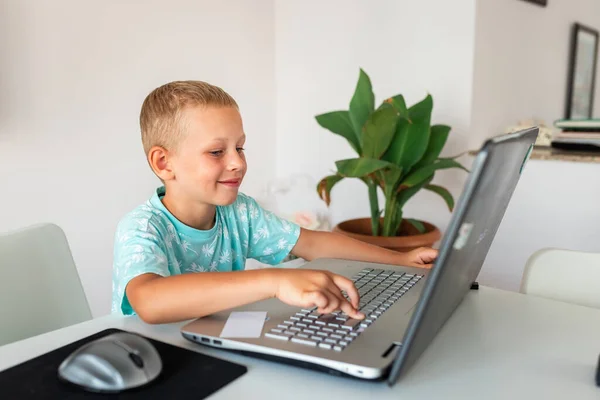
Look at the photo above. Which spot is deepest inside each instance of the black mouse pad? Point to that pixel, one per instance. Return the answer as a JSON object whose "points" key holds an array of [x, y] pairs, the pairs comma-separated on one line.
{"points": [[185, 375]]}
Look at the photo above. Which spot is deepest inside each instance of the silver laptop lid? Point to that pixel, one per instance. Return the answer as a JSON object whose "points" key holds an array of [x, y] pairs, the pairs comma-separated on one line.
{"points": [[477, 216]]}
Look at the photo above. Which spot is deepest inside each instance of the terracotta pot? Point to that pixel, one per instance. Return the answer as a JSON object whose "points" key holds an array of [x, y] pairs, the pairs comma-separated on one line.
{"points": [[408, 237]]}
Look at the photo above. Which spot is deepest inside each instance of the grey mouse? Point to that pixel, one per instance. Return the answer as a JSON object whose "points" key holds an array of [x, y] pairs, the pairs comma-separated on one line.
{"points": [[111, 364]]}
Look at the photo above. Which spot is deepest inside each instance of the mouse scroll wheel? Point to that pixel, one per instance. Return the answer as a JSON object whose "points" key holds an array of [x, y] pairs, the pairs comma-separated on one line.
{"points": [[137, 360]]}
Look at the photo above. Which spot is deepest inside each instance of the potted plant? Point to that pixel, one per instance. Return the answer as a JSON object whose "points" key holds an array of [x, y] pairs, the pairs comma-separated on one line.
{"points": [[398, 152]]}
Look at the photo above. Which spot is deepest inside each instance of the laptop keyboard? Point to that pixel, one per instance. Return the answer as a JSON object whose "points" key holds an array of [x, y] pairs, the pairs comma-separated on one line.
{"points": [[379, 289]]}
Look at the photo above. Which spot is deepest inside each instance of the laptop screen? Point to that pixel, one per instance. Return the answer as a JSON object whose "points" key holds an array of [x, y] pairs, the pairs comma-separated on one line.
{"points": [[480, 209]]}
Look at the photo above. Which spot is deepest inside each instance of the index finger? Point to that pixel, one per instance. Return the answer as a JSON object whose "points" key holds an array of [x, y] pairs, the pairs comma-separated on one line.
{"points": [[348, 286]]}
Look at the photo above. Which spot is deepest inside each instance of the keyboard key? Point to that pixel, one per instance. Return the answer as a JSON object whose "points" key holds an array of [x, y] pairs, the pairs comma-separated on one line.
{"points": [[327, 329], [327, 318], [294, 318], [324, 334], [348, 339], [310, 332], [334, 336], [291, 333], [304, 341], [316, 338], [307, 321], [303, 335], [315, 327], [332, 341], [338, 348], [277, 336], [351, 324], [296, 329], [276, 330], [325, 346], [302, 325]]}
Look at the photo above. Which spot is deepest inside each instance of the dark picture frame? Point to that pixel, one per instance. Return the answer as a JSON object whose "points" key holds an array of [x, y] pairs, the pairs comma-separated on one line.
{"points": [[542, 3], [581, 79]]}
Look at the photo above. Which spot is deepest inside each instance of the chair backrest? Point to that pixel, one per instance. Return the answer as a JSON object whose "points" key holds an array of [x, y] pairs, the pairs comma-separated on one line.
{"points": [[40, 290], [565, 275]]}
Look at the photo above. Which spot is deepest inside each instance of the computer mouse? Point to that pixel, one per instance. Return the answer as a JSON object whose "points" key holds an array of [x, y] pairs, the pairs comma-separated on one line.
{"points": [[113, 363]]}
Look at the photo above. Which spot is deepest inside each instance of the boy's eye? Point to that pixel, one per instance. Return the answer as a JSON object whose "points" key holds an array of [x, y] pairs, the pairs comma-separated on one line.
{"points": [[240, 149], [216, 152]]}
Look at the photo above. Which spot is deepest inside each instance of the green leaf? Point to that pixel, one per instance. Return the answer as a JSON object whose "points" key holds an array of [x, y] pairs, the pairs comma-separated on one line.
{"points": [[422, 109], [437, 139], [417, 224], [325, 185], [339, 123], [362, 103], [378, 131], [391, 179], [420, 174], [446, 195], [399, 104], [411, 138], [405, 193], [359, 167]]}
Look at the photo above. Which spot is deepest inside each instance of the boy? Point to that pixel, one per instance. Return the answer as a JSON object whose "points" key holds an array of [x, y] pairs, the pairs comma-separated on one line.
{"points": [[181, 255]]}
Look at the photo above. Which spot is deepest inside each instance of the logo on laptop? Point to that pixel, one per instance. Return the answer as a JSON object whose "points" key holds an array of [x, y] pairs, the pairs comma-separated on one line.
{"points": [[463, 235]]}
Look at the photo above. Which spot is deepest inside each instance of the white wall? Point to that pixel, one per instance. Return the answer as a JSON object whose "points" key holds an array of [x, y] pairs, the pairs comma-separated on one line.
{"points": [[73, 77], [406, 47], [520, 72], [521, 61], [555, 205]]}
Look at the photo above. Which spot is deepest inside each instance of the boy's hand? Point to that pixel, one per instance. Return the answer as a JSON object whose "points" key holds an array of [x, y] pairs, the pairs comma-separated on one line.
{"points": [[310, 288], [422, 257]]}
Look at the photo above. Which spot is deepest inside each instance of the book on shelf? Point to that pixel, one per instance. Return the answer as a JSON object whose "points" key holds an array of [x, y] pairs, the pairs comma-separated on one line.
{"points": [[577, 135], [590, 125]]}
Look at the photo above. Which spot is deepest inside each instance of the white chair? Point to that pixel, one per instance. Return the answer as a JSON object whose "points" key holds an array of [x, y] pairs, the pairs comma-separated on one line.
{"points": [[40, 290], [565, 275]]}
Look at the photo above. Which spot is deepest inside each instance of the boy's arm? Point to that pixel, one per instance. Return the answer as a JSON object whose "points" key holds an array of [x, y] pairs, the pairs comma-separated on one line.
{"points": [[319, 244], [158, 299]]}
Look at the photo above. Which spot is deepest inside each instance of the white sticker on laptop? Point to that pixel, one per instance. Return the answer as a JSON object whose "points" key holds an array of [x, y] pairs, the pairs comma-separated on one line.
{"points": [[244, 324], [463, 235]]}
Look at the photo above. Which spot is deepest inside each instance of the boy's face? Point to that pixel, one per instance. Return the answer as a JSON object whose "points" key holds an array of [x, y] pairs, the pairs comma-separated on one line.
{"points": [[209, 163]]}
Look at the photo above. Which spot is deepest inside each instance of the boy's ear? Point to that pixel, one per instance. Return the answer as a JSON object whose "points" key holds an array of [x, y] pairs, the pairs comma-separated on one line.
{"points": [[158, 158]]}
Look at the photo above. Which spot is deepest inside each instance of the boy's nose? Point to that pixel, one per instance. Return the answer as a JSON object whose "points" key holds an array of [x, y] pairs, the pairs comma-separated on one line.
{"points": [[236, 162]]}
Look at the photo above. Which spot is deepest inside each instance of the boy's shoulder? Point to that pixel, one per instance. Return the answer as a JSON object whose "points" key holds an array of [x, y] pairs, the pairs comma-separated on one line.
{"points": [[144, 218]]}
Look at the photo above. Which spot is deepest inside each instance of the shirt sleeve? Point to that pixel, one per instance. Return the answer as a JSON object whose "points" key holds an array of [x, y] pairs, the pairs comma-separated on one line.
{"points": [[138, 249], [270, 238]]}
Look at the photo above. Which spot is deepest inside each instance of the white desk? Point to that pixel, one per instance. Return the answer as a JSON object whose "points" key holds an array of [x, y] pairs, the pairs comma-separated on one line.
{"points": [[497, 345]]}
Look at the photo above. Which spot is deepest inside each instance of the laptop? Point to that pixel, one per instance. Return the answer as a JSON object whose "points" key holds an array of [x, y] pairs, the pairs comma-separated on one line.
{"points": [[405, 307]]}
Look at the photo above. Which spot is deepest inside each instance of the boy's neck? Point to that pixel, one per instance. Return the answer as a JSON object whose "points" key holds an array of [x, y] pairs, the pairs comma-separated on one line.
{"points": [[196, 215]]}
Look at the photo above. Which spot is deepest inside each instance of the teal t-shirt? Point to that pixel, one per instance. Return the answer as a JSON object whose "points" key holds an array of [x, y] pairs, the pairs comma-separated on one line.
{"points": [[151, 240]]}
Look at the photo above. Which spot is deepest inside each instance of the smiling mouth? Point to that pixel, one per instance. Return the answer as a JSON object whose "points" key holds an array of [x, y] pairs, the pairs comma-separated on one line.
{"points": [[231, 182]]}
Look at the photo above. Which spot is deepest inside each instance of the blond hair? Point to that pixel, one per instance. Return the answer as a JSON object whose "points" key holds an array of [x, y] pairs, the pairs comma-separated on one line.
{"points": [[160, 117]]}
